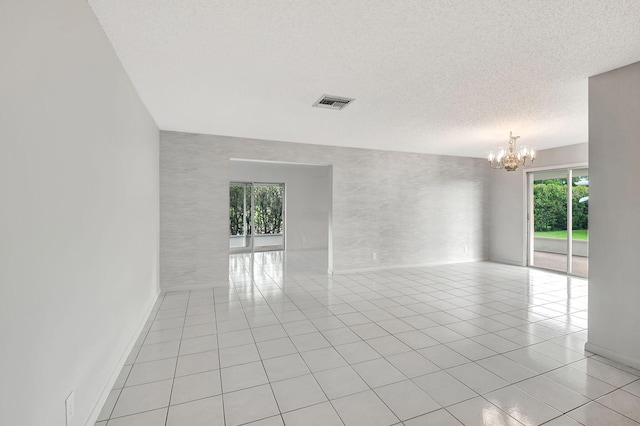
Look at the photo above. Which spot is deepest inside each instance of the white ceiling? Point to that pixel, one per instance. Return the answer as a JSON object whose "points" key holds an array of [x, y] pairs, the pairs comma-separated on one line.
{"points": [[445, 77]]}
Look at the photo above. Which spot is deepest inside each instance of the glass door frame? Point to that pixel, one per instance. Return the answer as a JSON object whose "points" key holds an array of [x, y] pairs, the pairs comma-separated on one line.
{"points": [[251, 248], [247, 232], [529, 233]]}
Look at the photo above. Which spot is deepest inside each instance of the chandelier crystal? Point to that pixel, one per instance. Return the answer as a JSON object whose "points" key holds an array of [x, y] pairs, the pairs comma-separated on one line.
{"points": [[510, 157]]}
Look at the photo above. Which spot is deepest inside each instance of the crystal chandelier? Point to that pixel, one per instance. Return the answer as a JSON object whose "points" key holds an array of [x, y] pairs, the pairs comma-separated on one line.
{"points": [[510, 158]]}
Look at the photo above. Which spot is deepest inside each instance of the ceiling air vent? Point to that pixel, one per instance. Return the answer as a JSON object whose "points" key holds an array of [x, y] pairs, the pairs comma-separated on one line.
{"points": [[332, 102]]}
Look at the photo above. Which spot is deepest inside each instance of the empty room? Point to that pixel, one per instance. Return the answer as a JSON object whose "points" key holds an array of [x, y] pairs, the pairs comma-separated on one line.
{"points": [[298, 213]]}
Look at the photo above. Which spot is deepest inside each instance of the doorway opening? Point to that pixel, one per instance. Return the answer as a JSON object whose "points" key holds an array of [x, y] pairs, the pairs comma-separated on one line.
{"points": [[558, 220], [256, 217]]}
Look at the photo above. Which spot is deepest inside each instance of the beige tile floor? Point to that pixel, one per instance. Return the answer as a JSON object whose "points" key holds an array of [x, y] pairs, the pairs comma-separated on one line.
{"points": [[472, 343]]}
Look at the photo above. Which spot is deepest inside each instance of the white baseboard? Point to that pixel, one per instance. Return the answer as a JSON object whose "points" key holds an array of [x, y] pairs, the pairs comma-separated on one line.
{"points": [[97, 408], [507, 261], [419, 265], [193, 287], [607, 353]]}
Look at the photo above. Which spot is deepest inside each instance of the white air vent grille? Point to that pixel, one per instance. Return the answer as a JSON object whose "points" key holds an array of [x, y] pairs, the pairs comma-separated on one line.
{"points": [[332, 102]]}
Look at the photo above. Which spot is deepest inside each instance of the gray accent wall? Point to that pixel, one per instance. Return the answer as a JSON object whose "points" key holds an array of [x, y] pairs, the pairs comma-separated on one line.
{"points": [[409, 209], [79, 217], [614, 211], [508, 232]]}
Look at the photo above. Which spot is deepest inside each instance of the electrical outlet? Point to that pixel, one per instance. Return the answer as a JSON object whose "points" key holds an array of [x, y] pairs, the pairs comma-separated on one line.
{"points": [[70, 406], [374, 256]]}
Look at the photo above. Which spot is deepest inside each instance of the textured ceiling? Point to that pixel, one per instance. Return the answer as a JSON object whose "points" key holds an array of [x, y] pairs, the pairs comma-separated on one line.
{"points": [[444, 77]]}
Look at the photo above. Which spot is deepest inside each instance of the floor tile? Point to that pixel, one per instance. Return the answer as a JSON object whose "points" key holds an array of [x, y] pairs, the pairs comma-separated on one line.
{"points": [[604, 372], [442, 334], [397, 329], [444, 388], [495, 343], [340, 336], [557, 396], [395, 326], [443, 356], [203, 412], [339, 382], [136, 399], [369, 330], [406, 400], [199, 319], [198, 344], [148, 418], [520, 337], [564, 420], [419, 322], [580, 382], [158, 351], [152, 371], [509, 370], [269, 421], [633, 388], [163, 324], [480, 412], [364, 409], [162, 336], [231, 325], [533, 360], [197, 363], [249, 405], [297, 392], [438, 417], [557, 352], [522, 406], [416, 339], [243, 376], [470, 349], [477, 378], [623, 402], [235, 338], [388, 345], [316, 415], [378, 372], [465, 329], [199, 330], [196, 386], [353, 318], [285, 367], [323, 359], [594, 414], [237, 355], [412, 364], [299, 327], [276, 348], [357, 352], [309, 341], [268, 332]]}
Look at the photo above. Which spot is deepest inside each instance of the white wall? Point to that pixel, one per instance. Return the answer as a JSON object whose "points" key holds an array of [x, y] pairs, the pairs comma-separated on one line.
{"points": [[307, 198], [410, 209], [508, 203], [79, 215], [614, 210]]}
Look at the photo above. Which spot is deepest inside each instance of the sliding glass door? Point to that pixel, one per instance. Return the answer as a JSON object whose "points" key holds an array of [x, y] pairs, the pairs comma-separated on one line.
{"points": [[580, 223], [559, 220], [256, 216], [240, 221]]}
